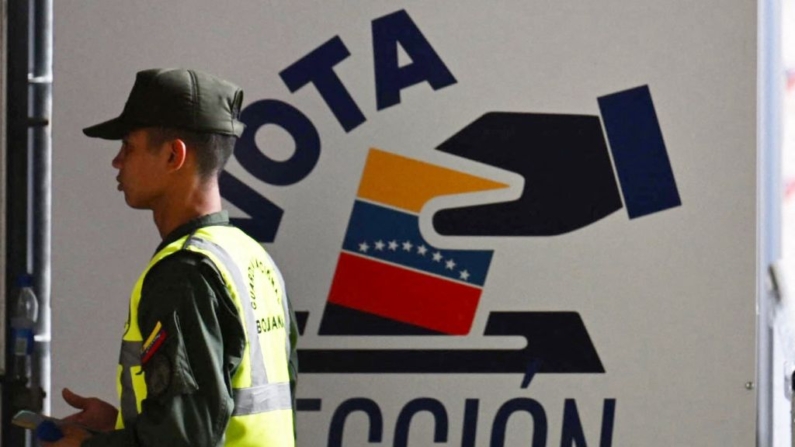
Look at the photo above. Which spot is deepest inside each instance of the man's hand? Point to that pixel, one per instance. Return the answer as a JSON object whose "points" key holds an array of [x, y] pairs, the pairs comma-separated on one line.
{"points": [[72, 437], [95, 414]]}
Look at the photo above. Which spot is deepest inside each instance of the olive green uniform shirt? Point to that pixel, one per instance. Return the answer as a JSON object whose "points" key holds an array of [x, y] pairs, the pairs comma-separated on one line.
{"points": [[189, 401]]}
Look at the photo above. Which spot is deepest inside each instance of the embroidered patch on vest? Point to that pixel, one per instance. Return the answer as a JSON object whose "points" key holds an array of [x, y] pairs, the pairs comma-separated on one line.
{"points": [[153, 343]]}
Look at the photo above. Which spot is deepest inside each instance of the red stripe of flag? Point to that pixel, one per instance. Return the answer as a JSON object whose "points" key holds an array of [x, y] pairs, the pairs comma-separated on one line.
{"points": [[404, 295], [159, 340]]}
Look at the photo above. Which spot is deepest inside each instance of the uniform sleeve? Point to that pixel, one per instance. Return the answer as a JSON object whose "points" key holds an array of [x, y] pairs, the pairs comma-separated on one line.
{"points": [[196, 343]]}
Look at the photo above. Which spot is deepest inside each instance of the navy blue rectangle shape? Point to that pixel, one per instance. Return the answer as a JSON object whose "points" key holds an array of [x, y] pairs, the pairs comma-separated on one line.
{"points": [[308, 404], [639, 153]]}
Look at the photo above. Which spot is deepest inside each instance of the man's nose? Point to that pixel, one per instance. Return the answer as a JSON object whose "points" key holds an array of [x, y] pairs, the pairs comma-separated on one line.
{"points": [[116, 163]]}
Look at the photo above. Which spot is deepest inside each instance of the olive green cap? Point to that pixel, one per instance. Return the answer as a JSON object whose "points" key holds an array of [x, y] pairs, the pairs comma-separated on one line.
{"points": [[179, 98]]}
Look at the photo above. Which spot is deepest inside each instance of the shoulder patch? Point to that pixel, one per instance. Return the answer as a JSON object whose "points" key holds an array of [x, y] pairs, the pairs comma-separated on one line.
{"points": [[153, 343]]}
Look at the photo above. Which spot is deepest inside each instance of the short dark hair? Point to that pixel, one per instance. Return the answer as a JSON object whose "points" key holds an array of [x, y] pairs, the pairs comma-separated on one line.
{"points": [[212, 150]]}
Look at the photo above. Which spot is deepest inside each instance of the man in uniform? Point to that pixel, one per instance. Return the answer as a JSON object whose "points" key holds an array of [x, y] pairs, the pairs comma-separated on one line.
{"points": [[208, 351]]}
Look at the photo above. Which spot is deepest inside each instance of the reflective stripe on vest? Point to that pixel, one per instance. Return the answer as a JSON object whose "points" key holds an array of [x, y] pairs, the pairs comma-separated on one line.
{"points": [[129, 358], [258, 374], [263, 409], [263, 398]]}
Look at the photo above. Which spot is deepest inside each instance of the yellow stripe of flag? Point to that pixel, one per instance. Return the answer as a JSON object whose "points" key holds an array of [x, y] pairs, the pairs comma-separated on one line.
{"points": [[152, 336], [407, 184]]}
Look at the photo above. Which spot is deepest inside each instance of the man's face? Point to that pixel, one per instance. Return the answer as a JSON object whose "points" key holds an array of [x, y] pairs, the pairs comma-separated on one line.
{"points": [[142, 170]]}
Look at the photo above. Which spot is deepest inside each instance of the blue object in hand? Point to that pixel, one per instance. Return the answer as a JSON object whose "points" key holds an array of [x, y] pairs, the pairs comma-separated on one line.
{"points": [[48, 431]]}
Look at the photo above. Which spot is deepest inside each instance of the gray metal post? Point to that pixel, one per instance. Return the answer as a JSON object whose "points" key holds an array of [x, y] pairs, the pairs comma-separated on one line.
{"points": [[769, 187], [3, 199], [41, 142], [18, 235]]}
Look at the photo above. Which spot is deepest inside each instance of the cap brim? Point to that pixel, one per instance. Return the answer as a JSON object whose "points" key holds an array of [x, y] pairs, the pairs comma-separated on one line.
{"points": [[114, 129]]}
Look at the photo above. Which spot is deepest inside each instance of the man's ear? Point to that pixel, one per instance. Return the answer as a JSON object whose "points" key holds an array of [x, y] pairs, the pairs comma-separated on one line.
{"points": [[177, 154]]}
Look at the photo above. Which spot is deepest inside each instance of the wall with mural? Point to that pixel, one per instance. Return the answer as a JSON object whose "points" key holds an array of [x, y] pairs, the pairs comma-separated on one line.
{"points": [[501, 223]]}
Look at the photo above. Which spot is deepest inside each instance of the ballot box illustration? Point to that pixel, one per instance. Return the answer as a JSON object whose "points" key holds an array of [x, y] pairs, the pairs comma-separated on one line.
{"points": [[390, 280]]}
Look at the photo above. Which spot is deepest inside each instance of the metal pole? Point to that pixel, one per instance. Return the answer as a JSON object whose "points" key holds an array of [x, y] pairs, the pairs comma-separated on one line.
{"points": [[18, 236], [792, 408], [769, 94], [3, 194], [41, 142]]}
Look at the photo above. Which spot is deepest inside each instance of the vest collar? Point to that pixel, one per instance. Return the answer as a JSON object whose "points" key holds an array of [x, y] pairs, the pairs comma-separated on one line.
{"points": [[219, 218]]}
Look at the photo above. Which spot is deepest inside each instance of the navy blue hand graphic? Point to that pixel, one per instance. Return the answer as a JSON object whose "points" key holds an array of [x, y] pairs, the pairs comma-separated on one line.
{"points": [[564, 159]]}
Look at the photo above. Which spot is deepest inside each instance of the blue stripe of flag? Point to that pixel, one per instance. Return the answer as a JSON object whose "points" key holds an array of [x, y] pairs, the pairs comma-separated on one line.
{"points": [[371, 223]]}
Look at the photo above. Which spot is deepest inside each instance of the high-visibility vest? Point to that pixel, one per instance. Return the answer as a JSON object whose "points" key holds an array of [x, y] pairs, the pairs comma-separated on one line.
{"points": [[263, 412]]}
